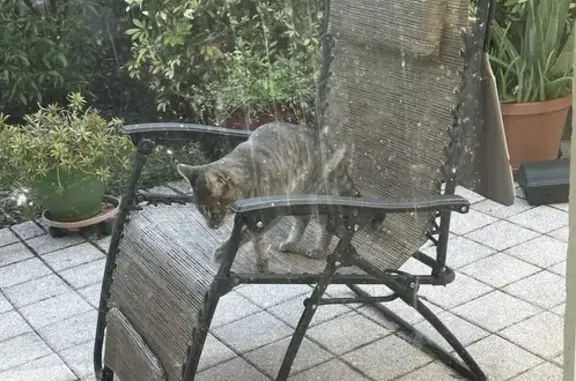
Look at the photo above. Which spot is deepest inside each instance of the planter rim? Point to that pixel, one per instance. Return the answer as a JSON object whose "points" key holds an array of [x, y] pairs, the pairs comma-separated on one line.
{"points": [[536, 107]]}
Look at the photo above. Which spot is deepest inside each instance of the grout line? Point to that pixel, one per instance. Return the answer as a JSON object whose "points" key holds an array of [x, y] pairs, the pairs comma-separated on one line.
{"points": [[35, 331]]}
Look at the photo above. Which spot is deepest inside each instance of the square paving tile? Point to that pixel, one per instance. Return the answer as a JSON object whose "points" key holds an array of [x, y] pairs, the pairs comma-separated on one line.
{"points": [[269, 358], [214, 353], [346, 332], [12, 325], [496, 311], [559, 310], [542, 334], [72, 256], [49, 368], [499, 270], [91, 294], [543, 372], [289, 312], [543, 219], [435, 371], [22, 272], [56, 309], [560, 234], [543, 251], [232, 307], [559, 269], [462, 251], [501, 235], [400, 308], [80, 359], [15, 252], [544, 289], [332, 370], [234, 370], [464, 331], [265, 296], [46, 244], [500, 359], [85, 275], [27, 230], [559, 360], [465, 223], [252, 332], [462, 290], [21, 349], [498, 210], [5, 305], [69, 332], [339, 291], [388, 358], [36, 290], [471, 196], [7, 237], [104, 243], [562, 206]]}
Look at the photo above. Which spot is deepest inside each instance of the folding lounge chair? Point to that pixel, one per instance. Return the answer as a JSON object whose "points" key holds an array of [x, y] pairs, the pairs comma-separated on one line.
{"points": [[399, 84]]}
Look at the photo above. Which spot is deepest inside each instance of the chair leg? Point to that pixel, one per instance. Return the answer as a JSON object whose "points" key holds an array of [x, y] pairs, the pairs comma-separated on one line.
{"points": [[310, 307], [107, 374], [469, 369]]}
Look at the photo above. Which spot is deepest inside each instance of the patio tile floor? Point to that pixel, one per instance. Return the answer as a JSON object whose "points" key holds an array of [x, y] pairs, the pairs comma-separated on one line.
{"points": [[509, 287]]}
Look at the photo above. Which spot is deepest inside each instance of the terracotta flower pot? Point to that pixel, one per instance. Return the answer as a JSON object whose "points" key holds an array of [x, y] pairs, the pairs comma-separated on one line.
{"points": [[534, 130]]}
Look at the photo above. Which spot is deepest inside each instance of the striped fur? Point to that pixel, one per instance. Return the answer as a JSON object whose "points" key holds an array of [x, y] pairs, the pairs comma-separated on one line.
{"points": [[278, 159]]}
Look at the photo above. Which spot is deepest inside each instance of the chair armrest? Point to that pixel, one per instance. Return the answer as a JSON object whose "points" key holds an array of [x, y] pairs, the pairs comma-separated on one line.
{"points": [[167, 133], [298, 205]]}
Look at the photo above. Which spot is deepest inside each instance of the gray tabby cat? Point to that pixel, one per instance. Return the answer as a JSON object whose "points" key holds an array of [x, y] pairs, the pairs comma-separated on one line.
{"points": [[278, 159]]}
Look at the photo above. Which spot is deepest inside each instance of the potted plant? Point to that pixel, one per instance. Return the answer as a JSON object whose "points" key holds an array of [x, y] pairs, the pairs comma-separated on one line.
{"points": [[531, 57], [62, 156], [256, 90]]}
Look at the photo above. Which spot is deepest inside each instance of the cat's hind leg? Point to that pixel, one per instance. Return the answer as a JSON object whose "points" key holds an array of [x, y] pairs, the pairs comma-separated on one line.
{"points": [[262, 251], [324, 238], [298, 229]]}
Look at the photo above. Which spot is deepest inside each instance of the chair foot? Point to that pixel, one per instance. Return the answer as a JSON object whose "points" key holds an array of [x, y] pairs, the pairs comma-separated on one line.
{"points": [[107, 374], [467, 368]]}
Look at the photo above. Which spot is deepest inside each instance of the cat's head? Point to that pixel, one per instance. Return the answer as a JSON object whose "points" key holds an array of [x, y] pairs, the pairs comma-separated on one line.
{"points": [[214, 191]]}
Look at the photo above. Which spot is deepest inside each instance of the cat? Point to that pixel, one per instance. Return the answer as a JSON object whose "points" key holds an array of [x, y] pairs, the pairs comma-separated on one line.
{"points": [[278, 159]]}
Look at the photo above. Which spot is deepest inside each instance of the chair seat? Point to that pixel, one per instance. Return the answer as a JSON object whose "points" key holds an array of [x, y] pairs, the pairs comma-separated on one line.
{"points": [[181, 229]]}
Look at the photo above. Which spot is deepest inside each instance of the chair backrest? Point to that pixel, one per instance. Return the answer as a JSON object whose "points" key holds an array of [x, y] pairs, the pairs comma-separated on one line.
{"points": [[396, 72]]}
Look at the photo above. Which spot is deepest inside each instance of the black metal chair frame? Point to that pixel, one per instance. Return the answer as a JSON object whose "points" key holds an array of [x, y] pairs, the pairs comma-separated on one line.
{"points": [[346, 214]]}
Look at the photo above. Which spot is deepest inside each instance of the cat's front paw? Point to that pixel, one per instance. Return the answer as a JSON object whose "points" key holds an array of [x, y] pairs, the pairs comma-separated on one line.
{"points": [[316, 253], [262, 265], [288, 247]]}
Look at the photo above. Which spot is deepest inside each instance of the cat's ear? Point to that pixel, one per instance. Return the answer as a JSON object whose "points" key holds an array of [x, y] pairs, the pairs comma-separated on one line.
{"points": [[217, 181], [189, 172]]}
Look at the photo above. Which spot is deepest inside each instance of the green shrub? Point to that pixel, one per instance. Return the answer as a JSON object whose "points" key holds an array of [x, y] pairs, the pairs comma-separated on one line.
{"points": [[65, 139], [46, 52], [69, 138], [184, 48]]}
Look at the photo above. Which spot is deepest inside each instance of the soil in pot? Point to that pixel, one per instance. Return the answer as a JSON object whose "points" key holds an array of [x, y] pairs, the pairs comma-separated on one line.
{"points": [[534, 130], [70, 196]]}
